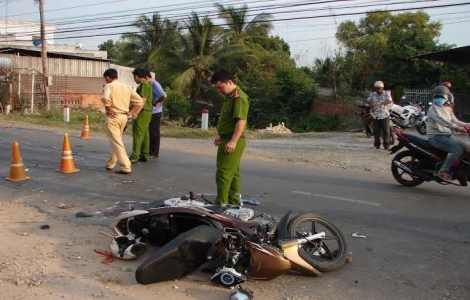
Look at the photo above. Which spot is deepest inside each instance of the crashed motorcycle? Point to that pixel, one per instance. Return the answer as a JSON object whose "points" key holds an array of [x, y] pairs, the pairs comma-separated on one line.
{"points": [[306, 248], [186, 229], [421, 161], [409, 116]]}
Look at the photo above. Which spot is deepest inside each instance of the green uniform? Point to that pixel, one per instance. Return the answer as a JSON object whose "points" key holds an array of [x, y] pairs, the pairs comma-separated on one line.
{"points": [[227, 177], [140, 126]]}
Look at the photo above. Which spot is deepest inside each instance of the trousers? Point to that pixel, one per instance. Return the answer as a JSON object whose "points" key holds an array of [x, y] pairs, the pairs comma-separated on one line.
{"points": [[140, 135], [114, 129], [381, 126], [154, 129], [445, 143], [227, 176]]}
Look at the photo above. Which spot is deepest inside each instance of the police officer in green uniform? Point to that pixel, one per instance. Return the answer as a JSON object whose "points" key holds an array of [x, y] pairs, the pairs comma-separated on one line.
{"points": [[230, 139], [140, 126]]}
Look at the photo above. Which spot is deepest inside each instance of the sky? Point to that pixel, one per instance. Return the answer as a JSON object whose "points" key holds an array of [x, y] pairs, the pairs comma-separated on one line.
{"points": [[308, 27]]}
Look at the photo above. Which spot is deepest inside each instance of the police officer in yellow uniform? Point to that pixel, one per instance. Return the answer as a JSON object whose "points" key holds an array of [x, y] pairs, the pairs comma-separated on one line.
{"points": [[117, 98], [230, 139], [140, 126]]}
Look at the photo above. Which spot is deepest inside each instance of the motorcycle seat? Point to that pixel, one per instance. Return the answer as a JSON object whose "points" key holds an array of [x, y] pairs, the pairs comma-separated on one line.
{"points": [[421, 140]]}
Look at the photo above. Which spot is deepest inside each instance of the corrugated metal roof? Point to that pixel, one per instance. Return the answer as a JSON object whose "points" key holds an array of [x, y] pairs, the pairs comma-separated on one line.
{"points": [[52, 54], [456, 55]]}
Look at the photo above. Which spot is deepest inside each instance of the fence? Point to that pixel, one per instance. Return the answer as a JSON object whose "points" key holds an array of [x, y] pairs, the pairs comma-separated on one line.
{"points": [[417, 97]]}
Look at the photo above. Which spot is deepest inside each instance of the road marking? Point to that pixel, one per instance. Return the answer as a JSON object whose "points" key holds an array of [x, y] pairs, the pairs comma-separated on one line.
{"points": [[338, 198]]}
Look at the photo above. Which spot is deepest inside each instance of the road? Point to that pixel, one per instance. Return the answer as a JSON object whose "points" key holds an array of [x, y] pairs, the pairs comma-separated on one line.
{"points": [[417, 241]]}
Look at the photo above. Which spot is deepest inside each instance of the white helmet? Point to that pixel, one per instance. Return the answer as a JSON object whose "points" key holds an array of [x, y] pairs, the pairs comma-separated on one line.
{"points": [[125, 247], [378, 85]]}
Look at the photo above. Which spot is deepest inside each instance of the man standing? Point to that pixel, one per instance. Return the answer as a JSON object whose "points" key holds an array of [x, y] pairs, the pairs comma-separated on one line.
{"points": [[230, 139], [379, 103], [140, 126], [117, 98], [159, 96]]}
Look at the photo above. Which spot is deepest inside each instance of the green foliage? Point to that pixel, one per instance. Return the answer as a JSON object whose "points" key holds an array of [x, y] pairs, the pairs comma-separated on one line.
{"points": [[382, 43], [176, 106], [317, 123]]}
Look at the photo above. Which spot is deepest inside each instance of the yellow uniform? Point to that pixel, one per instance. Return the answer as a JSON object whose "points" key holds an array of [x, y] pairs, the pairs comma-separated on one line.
{"points": [[118, 96]]}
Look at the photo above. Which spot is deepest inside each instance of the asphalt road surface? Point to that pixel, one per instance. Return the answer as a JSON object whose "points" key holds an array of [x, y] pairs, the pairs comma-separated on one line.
{"points": [[417, 243]]}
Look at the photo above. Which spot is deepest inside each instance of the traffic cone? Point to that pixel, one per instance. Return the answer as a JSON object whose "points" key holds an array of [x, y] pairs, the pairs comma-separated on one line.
{"points": [[86, 130], [67, 164], [17, 171]]}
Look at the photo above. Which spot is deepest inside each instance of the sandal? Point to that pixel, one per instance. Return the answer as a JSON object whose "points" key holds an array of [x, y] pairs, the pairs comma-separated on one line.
{"points": [[444, 175]]}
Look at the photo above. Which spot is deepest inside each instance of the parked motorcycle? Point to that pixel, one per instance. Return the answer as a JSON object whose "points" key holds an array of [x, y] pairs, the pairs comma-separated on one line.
{"points": [[421, 161], [409, 116], [308, 243]]}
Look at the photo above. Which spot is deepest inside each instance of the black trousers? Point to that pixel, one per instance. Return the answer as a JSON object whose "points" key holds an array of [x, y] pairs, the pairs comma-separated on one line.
{"points": [[381, 126], [154, 132]]}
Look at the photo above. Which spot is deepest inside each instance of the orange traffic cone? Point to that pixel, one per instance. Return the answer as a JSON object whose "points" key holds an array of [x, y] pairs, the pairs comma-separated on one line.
{"points": [[86, 130], [17, 171], [67, 164]]}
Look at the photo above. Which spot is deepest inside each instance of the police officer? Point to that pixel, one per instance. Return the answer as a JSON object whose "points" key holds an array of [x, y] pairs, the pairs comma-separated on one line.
{"points": [[230, 139], [140, 126], [117, 97]]}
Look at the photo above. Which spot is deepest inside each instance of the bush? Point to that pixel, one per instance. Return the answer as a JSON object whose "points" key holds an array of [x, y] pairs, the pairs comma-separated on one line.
{"points": [[317, 123], [176, 106]]}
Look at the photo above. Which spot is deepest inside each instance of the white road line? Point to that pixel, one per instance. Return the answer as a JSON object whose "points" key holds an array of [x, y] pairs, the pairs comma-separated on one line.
{"points": [[338, 198]]}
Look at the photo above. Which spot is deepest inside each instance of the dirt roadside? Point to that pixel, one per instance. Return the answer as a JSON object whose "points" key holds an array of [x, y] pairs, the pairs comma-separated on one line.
{"points": [[61, 264]]}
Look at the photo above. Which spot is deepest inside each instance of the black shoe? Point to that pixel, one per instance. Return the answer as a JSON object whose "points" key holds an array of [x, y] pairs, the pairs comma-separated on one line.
{"points": [[122, 172], [143, 159], [133, 160]]}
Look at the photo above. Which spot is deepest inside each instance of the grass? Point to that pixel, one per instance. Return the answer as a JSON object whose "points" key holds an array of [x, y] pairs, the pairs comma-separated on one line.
{"points": [[96, 121]]}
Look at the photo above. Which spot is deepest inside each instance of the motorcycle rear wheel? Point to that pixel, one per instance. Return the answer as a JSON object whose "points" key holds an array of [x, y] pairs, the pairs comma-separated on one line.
{"points": [[408, 159], [325, 255]]}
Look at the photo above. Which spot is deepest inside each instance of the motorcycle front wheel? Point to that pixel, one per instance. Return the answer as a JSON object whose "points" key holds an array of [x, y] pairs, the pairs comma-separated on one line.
{"points": [[408, 160], [326, 254], [421, 128]]}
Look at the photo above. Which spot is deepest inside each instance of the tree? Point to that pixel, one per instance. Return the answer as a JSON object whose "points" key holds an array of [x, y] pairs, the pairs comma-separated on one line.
{"points": [[191, 63], [154, 33], [120, 52], [240, 30], [382, 43]]}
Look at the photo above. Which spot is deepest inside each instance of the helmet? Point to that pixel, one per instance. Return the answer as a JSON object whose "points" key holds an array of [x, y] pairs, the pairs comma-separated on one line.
{"points": [[447, 84], [441, 90], [126, 247], [378, 85]]}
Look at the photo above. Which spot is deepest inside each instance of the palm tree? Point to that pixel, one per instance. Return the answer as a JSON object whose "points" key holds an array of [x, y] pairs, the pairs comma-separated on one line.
{"points": [[240, 29], [154, 33], [191, 63]]}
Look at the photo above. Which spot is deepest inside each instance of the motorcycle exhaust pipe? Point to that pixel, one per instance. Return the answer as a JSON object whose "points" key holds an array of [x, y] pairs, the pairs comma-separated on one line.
{"points": [[403, 167]]}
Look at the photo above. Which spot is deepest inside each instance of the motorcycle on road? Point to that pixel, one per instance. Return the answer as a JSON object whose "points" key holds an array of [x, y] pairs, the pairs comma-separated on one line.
{"points": [[421, 161]]}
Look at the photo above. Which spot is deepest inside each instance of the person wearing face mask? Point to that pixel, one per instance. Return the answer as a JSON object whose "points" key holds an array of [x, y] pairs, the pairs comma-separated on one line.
{"points": [[440, 124]]}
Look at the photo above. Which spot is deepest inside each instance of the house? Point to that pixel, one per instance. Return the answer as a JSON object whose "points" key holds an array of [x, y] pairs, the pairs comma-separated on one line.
{"points": [[75, 79]]}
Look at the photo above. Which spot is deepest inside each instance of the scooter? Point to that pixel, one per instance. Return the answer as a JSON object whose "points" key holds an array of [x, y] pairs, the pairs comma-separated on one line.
{"points": [[421, 161], [177, 225]]}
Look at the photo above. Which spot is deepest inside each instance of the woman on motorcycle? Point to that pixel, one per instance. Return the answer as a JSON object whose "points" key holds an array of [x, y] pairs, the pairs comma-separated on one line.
{"points": [[440, 123]]}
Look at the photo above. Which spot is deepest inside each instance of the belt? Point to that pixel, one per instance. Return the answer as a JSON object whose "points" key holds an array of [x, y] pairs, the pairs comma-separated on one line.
{"points": [[228, 136]]}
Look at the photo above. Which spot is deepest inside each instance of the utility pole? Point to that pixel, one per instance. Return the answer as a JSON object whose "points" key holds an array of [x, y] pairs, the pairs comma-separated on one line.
{"points": [[45, 67]]}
